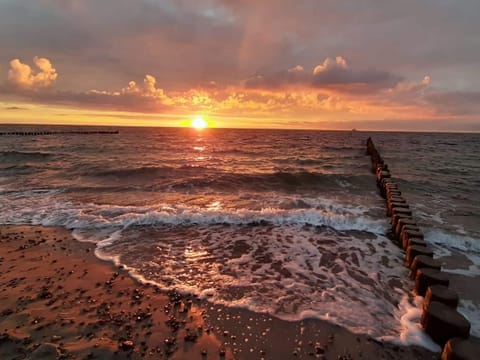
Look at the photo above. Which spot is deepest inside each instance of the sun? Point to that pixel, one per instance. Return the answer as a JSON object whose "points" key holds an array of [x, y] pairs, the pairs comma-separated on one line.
{"points": [[198, 122]]}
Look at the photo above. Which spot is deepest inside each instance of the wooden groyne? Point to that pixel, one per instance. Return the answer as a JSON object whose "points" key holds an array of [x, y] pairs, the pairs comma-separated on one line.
{"points": [[68, 132], [440, 319]]}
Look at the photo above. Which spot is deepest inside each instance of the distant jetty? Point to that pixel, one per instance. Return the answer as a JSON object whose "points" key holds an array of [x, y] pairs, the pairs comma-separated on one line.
{"points": [[70, 132]]}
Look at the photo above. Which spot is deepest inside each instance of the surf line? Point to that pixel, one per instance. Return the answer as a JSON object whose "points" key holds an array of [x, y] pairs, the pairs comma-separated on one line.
{"points": [[440, 318]]}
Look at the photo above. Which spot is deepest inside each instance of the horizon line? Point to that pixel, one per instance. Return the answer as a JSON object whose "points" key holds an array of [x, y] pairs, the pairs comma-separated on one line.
{"points": [[249, 128]]}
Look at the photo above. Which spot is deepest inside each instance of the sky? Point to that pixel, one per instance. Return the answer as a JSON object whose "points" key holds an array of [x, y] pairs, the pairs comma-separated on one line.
{"points": [[304, 64]]}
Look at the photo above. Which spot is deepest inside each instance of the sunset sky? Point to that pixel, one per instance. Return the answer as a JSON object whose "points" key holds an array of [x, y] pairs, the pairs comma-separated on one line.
{"points": [[315, 64]]}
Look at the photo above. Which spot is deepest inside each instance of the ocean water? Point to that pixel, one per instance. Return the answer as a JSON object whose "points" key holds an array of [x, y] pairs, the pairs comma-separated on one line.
{"points": [[285, 222]]}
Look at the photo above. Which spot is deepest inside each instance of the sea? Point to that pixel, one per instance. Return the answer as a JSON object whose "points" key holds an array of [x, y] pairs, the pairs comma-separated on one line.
{"points": [[284, 222]]}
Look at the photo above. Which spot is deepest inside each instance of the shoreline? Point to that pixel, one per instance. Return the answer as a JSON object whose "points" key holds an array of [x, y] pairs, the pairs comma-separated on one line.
{"points": [[58, 300]]}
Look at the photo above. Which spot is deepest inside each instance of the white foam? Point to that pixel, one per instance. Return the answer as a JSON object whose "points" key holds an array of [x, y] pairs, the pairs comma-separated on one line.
{"points": [[46, 211], [454, 241], [472, 271], [445, 242], [290, 272], [409, 313], [321, 274], [471, 311]]}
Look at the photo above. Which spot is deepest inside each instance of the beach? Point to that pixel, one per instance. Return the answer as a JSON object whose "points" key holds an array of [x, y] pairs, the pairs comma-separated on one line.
{"points": [[59, 301]]}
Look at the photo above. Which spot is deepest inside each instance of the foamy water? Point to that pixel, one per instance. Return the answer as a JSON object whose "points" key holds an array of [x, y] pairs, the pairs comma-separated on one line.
{"points": [[286, 223]]}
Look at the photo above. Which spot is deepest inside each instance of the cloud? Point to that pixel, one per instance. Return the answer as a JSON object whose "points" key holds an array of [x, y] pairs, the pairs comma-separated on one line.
{"points": [[332, 73], [329, 64], [330, 89], [278, 80], [144, 97], [455, 103], [10, 108], [187, 42], [335, 73], [23, 77], [148, 89]]}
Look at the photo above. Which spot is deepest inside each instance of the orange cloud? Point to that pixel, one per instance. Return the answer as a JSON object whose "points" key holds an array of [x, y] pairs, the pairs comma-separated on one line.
{"points": [[22, 76], [331, 90], [149, 88]]}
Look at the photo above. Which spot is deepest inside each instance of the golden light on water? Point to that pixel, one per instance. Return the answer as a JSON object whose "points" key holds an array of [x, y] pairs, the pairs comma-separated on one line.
{"points": [[198, 122]]}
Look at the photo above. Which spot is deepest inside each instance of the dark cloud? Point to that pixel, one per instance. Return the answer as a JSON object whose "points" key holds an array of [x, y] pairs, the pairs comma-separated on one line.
{"points": [[144, 97], [104, 101], [455, 102], [36, 26], [332, 73], [186, 42], [280, 79], [10, 108]]}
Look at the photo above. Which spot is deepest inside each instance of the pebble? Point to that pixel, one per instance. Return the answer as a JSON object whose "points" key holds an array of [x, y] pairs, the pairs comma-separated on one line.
{"points": [[127, 345], [319, 349]]}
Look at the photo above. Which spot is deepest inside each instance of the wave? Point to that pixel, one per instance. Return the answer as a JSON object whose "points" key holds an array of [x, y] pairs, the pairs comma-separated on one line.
{"points": [[290, 272], [70, 215], [31, 192], [144, 171], [22, 156], [278, 181], [237, 152], [463, 243], [190, 177]]}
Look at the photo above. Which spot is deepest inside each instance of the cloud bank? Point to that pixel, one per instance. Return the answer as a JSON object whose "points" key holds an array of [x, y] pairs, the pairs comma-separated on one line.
{"points": [[331, 87], [333, 73]]}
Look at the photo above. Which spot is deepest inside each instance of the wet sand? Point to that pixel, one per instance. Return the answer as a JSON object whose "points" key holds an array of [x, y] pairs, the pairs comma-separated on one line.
{"points": [[58, 301]]}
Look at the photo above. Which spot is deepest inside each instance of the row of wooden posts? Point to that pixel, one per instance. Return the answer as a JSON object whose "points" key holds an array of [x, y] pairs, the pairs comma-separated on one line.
{"points": [[440, 319], [69, 132]]}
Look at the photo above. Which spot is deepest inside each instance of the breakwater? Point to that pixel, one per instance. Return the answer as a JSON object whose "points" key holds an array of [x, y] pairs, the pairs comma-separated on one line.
{"points": [[68, 132], [440, 318]]}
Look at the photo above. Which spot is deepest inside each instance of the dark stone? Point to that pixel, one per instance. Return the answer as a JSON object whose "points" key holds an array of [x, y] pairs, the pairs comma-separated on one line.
{"points": [[427, 277], [7, 312], [400, 210], [45, 351], [399, 199], [423, 261], [191, 337], [382, 175], [397, 217], [443, 323], [441, 294], [402, 223], [461, 349], [416, 242], [391, 186], [409, 227], [396, 204], [410, 234], [415, 250], [393, 192]]}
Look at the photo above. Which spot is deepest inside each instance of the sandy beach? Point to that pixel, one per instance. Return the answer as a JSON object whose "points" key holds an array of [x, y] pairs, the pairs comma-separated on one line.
{"points": [[58, 301]]}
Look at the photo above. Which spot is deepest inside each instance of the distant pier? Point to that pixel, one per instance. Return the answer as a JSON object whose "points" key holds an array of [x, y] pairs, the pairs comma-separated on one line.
{"points": [[68, 132], [440, 319]]}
